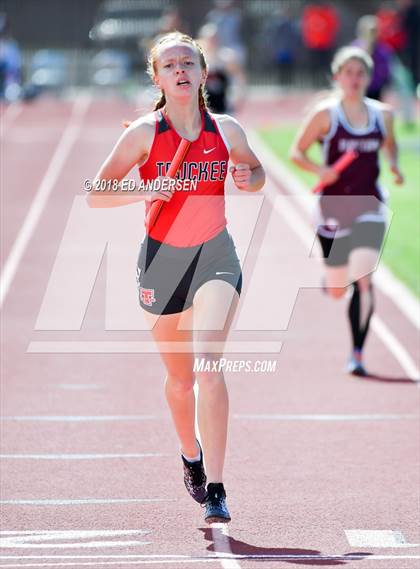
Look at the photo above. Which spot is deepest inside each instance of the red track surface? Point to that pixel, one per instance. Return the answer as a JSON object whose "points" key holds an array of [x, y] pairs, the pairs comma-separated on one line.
{"points": [[322, 453]]}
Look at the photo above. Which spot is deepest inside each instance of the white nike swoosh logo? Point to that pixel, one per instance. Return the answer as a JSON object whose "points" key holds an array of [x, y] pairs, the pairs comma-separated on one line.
{"points": [[224, 273], [211, 150]]}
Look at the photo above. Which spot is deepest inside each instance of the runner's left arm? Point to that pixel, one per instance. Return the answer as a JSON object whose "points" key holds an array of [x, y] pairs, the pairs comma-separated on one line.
{"points": [[247, 172], [390, 146]]}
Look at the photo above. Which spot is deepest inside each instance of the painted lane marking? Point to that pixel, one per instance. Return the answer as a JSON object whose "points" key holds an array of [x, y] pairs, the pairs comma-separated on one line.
{"points": [[377, 538], [77, 386], [80, 456], [171, 559], [38, 539], [240, 416], [80, 418], [398, 349], [220, 536], [324, 417], [51, 502], [68, 138]]}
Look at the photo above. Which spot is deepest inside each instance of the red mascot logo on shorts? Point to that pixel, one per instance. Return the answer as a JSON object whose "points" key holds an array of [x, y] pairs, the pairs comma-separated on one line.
{"points": [[147, 296]]}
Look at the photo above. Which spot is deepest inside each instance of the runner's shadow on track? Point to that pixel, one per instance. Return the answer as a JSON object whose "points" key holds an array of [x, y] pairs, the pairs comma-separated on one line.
{"points": [[385, 379], [229, 545]]}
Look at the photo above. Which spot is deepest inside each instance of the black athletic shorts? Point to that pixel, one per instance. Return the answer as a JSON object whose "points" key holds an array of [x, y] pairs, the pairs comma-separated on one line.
{"points": [[336, 250], [168, 277]]}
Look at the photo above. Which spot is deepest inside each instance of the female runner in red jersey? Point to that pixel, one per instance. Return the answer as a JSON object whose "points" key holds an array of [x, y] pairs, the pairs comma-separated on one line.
{"points": [[352, 216], [189, 276]]}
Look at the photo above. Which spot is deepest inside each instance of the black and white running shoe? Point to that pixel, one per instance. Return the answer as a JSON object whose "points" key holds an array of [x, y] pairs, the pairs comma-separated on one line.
{"points": [[195, 477], [215, 504]]}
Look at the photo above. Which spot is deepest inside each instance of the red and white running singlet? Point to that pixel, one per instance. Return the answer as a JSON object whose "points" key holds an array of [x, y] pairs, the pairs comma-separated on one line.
{"points": [[192, 216]]}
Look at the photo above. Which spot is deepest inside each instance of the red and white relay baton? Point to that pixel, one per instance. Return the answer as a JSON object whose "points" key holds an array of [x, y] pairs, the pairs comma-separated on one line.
{"points": [[177, 160], [342, 163]]}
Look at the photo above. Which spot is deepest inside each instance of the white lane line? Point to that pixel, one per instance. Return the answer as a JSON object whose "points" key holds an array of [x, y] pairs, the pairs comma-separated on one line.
{"points": [[171, 559], [127, 347], [41, 539], [303, 230], [220, 535], [79, 456], [377, 538], [80, 418], [268, 416], [390, 285], [398, 349], [96, 563], [72, 533], [73, 545], [48, 183], [325, 417], [399, 294], [73, 539], [58, 502], [274, 556], [77, 386]]}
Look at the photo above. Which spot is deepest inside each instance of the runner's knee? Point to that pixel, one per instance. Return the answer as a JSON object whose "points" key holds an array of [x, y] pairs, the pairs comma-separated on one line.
{"points": [[180, 384], [336, 292], [208, 369], [364, 283]]}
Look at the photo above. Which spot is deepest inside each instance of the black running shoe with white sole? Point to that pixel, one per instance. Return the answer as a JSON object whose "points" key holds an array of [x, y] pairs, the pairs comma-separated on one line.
{"points": [[195, 477], [215, 504]]}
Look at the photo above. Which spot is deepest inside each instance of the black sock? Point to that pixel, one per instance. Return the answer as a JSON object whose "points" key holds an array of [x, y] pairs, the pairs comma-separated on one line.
{"points": [[360, 329], [369, 311]]}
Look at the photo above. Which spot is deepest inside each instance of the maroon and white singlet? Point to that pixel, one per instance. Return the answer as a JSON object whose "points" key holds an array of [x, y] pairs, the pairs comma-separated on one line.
{"points": [[356, 196]]}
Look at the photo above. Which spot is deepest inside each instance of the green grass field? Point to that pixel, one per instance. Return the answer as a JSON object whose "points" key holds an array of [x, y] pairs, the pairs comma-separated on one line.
{"points": [[402, 247]]}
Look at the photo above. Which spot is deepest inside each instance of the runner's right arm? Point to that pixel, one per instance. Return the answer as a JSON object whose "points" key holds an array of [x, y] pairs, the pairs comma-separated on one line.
{"points": [[314, 128], [132, 148]]}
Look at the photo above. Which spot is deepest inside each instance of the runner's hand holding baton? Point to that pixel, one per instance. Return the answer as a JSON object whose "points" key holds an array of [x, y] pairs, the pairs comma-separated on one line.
{"points": [[342, 163], [177, 160]]}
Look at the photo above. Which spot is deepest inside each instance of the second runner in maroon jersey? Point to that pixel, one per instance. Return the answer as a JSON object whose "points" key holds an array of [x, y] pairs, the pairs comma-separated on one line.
{"points": [[357, 190], [351, 214]]}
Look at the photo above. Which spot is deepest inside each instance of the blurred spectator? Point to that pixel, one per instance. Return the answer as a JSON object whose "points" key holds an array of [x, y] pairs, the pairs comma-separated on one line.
{"points": [[367, 39], [281, 39], [110, 67], [10, 64], [409, 13], [394, 32], [320, 25], [49, 69], [228, 21], [390, 31], [226, 78], [171, 21]]}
